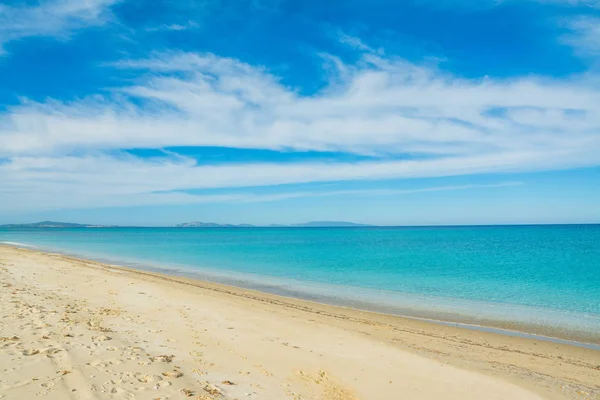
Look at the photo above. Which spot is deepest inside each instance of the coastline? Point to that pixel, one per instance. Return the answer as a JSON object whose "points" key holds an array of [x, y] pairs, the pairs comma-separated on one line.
{"points": [[550, 370], [507, 325]]}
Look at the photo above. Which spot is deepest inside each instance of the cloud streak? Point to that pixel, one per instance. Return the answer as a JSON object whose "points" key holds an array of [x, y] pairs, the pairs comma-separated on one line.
{"points": [[54, 18], [416, 121], [383, 106], [584, 36], [91, 184], [174, 27]]}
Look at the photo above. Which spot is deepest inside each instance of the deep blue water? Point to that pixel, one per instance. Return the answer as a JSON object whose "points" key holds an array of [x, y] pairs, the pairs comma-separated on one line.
{"points": [[533, 275]]}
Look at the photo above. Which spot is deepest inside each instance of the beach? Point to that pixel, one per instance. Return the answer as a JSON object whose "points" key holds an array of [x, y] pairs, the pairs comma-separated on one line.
{"points": [[81, 329]]}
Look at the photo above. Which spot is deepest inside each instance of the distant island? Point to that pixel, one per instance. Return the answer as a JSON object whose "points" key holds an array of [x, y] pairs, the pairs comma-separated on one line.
{"points": [[328, 224], [313, 224], [195, 224], [52, 224]]}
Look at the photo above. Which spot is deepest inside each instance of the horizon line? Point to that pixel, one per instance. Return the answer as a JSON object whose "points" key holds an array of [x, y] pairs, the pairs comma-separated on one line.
{"points": [[295, 226]]}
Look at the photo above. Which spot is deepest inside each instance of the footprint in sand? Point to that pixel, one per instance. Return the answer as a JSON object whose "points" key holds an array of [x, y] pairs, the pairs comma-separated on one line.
{"points": [[148, 378], [172, 374], [163, 358], [121, 393], [162, 384], [102, 338]]}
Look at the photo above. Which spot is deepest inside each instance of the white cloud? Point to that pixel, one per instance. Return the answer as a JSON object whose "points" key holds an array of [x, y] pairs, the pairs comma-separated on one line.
{"points": [[31, 183], [482, 4], [486, 4], [584, 3], [381, 106], [174, 27], [100, 181], [584, 36], [56, 18]]}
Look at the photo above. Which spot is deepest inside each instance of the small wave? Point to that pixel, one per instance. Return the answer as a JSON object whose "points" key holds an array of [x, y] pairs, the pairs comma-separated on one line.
{"points": [[17, 244]]}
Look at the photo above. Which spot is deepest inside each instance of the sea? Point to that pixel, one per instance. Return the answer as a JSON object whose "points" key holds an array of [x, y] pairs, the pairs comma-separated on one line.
{"points": [[542, 279]]}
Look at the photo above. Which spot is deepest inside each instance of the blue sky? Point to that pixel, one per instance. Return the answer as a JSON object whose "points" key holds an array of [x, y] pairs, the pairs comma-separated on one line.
{"points": [[272, 111]]}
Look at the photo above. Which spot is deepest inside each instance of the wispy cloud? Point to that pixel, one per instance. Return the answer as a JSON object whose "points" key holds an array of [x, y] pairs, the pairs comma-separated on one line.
{"points": [[432, 123], [495, 3], [578, 3], [383, 105], [174, 27], [56, 18], [96, 184], [584, 36], [370, 192]]}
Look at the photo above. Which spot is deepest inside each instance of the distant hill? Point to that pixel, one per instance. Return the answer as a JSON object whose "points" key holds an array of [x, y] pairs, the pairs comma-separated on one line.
{"points": [[313, 224], [52, 224], [194, 224], [327, 224], [197, 224]]}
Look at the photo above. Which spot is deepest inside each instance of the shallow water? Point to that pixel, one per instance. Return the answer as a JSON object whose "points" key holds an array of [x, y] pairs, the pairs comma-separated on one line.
{"points": [[540, 276]]}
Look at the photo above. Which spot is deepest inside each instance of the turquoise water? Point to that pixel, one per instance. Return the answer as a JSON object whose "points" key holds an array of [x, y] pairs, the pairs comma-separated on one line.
{"points": [[540, 278]]}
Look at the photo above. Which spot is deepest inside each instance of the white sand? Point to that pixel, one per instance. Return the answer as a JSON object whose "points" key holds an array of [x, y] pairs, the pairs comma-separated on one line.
{"points": [[73, 329]]}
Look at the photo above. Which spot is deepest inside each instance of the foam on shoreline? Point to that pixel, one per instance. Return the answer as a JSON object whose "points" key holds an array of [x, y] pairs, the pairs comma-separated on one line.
{"points": [[543, 324], [72, 325], [17, 244]]}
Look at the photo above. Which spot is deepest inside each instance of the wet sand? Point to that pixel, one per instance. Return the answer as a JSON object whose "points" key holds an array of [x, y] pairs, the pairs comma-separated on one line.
{"points": [[79, 329]]}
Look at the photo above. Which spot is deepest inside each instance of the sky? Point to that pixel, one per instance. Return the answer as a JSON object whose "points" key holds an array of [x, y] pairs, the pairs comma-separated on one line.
{"points": [[422, 112]]}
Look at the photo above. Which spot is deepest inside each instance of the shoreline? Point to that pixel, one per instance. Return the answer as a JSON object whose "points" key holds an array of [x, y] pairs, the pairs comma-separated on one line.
{"points": [[498, 326], [317, 344]]}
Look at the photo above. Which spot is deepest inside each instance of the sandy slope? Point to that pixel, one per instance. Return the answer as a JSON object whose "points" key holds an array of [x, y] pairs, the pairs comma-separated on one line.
{"points": [[81, 330]]}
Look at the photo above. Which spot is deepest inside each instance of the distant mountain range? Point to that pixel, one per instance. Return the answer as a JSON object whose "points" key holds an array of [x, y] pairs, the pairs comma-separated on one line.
{"points": [[328, 224], [195, 224], [313, 224], [52, 224]]}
